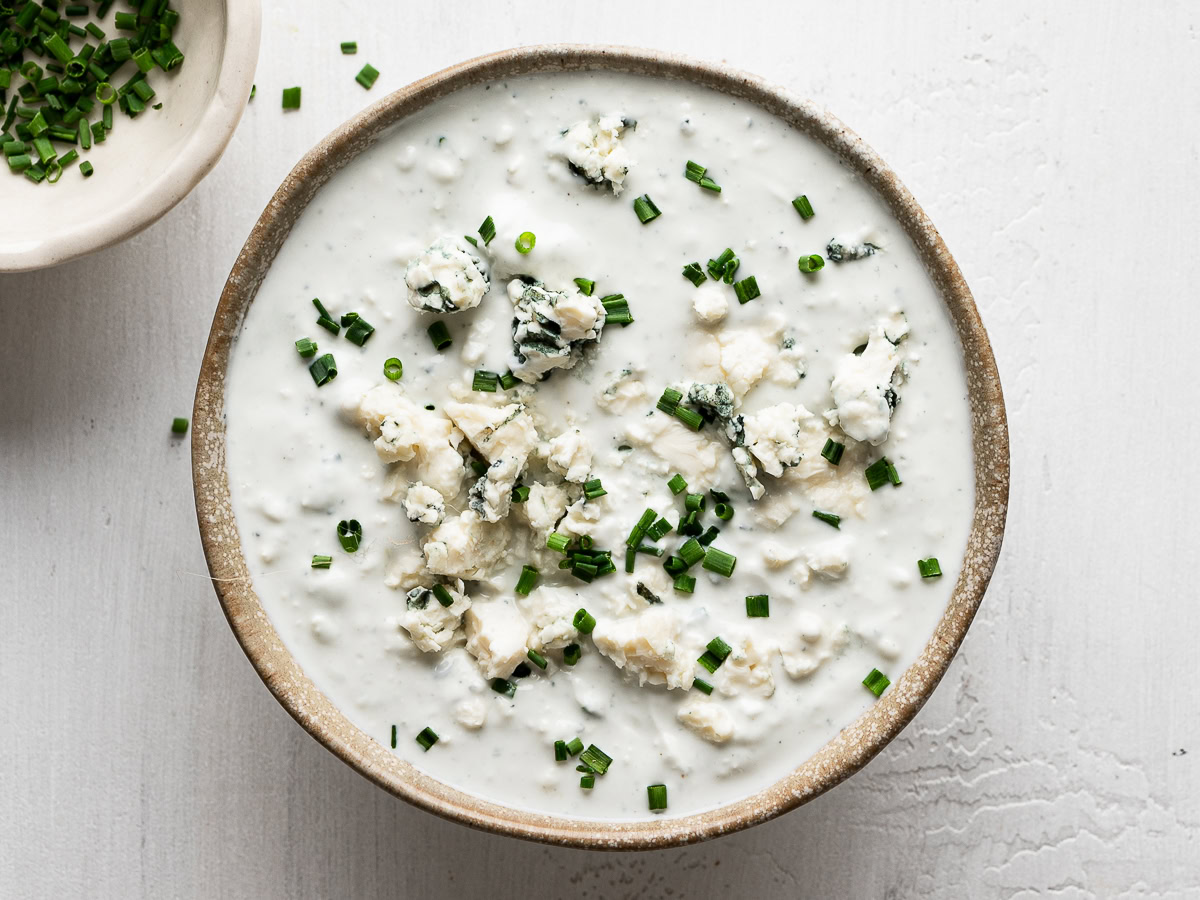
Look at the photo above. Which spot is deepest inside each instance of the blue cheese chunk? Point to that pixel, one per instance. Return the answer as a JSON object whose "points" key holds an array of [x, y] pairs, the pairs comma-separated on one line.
{"points": [[649, 646], [446, 277], [424, 504], [775, 436], [431, 626], [864, 385], [550, 328], [497, 636], [594, 151]]}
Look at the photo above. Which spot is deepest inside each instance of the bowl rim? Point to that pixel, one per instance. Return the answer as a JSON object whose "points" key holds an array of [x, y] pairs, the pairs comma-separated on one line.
{"points": [[199, 154], [843, 755]]}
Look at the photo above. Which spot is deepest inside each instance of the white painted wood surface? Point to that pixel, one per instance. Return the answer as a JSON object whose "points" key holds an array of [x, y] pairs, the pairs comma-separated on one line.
{"points": [[1056, 145]]}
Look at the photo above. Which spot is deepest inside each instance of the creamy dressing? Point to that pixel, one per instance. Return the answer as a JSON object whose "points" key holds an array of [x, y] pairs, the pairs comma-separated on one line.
{"points": [[842, 602]]}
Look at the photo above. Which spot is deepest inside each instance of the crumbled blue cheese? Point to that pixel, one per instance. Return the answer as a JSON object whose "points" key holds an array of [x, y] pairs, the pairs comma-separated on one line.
{"points": [[710, 303], [545, 506], [465, 547], [424, 504], [447, 277], [623, 392], [550, 612], [688, 452], [504, 436], [431, 626], [774, 436], [594, 151], [425, 440], [648, 645], [570, 456], [497, 636], [707, 718], [859, 245], [550, 328], [863, 386]]}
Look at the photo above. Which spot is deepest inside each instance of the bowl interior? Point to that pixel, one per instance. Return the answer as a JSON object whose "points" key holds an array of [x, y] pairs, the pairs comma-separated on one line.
{"points": [[842, 756], [147, 164]]}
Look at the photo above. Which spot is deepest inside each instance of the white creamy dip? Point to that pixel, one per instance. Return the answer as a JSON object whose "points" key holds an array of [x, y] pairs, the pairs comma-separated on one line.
{"points": [[564, 157]]}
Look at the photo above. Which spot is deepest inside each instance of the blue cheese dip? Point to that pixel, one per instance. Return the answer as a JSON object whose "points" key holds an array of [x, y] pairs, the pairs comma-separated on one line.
{"points": [[673, 511]]}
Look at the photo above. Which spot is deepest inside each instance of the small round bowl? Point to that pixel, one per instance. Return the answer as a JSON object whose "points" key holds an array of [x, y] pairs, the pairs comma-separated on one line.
{"points": [[147, 165], [845, 754]]}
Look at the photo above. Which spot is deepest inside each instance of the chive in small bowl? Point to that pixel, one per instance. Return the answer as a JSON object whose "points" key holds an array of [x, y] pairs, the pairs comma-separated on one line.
{"points": [[144, 165]]}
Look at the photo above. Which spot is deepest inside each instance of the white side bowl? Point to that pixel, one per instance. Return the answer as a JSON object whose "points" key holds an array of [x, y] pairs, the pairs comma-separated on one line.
{"points": [[148, 165]]}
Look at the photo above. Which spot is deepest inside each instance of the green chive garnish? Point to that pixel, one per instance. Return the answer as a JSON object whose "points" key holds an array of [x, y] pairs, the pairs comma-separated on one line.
{"points": [[528, 579], [828, 518], [719, 561], [393, 737], [880, 473], [505, 687], [584, 621], [723, 511], [442, 594], [323, 369], [833, 451], [876, 682], [366, 76], [593, 489], [179, 425], [691, 552], [571, 654], [586, 286], [689, 417], [349, 534], [487, 230], [677, 484], [427, 738], [439, 334], [306, 348], [645, 209], [324, 319], [291, 98], [560, 751], [536, 658], [557, 542], [596, 759], [587, 782], [693, 273], [321, 562], [702, 686], [485, 381], [669, 400], [349, 47], [574, 747], [656, 796], [747, 290], [685, 584], [393, 368], [694, 171], [659, 529], [694, 502], [803, 207], [758, 606], [357, 328], [809, 264], [520, 493], [929, 568], [508, 380], [525, 241]]}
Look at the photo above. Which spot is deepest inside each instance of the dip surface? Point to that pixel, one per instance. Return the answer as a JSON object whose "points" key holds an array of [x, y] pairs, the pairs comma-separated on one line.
{"points": [[843, 600]]}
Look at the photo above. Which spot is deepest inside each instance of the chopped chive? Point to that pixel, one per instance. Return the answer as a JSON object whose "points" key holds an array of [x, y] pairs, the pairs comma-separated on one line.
{"points": [[323, 369], [587, 782], [747, 289], [674, 566], [584, 621], [525, 241], [659, 529], [557, 542], [366, 76], [586, 542], [730, 268], [508, 380], [586, 286], [716, 267], [504, 686], [709, 661], [616, 309], [442, 594], [393, 368], [803, 206], [669, 400], [656, 796], [596, 759], [723, 511], [358, 329], [560, 751], [828, 518], [593, 489], [645, 209], [393, 737], [536, 658], [702, 686], [709, 536], [478, 466], [809, 264], [685, 584], [349, 534], [677, 484], [693, 273], [349, 47], [291, 98], [528, 579], [833, 451], [650, 549], [571, 654], [694, 502], [758, 606], [929, 568], [324, 319], [689, 417], [694, 171], [427, 738], [719, 561], [439, 334], [709, 185], [485, 381], [487, 230], [718, 648], [639, 529], [691, 552], [880, 473], [876, 682], [321, 562], [574, 747]]}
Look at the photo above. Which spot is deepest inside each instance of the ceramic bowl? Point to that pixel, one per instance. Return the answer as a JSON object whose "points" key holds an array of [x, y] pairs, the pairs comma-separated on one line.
{"points": [[841, 757], [148, 165]]}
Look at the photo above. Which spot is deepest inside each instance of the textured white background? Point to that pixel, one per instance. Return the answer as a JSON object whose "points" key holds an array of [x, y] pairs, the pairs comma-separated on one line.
{"points": [[1056, 146]]}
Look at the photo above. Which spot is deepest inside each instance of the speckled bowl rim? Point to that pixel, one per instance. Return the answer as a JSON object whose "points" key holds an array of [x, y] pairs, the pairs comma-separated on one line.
{"points": [[159, 194], [845, 754]]}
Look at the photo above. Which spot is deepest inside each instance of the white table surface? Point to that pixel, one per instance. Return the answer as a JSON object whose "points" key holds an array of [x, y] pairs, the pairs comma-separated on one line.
{"points": [[1055, 145]]}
